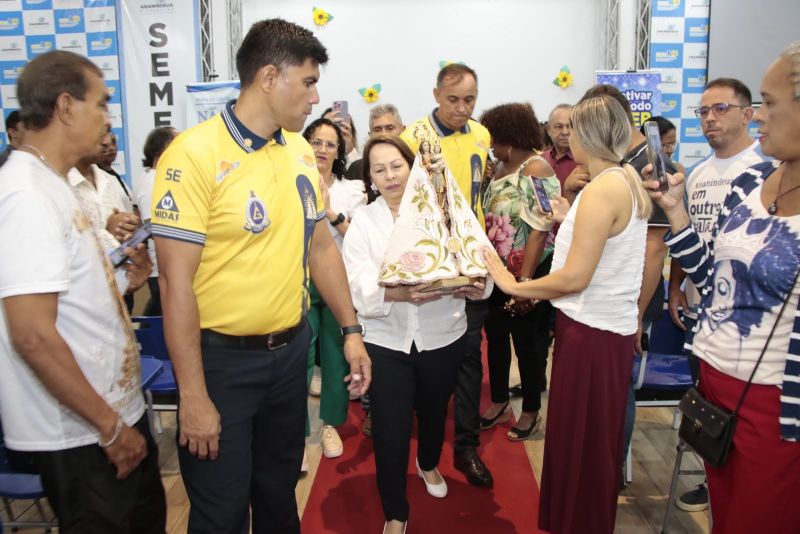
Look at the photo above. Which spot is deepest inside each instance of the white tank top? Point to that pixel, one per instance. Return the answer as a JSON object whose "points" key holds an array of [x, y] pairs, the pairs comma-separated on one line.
{"points": [[610, 301]]}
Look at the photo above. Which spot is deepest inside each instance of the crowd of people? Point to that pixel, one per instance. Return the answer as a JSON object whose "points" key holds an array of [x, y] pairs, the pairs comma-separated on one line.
{"points": [[265, 261]]}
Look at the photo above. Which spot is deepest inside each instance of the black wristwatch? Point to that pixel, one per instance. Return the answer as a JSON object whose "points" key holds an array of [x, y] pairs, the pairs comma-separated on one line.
{"points": [[339, 219], [354, 329]]}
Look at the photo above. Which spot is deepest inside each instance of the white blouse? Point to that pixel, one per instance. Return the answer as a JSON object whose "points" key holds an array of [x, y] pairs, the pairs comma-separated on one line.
{"points": [[394, 325], [346, 195]]}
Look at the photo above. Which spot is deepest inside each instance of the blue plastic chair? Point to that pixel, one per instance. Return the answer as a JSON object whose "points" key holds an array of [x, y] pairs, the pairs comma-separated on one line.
{"points": [[150, 336], [151, 369], [663, 367], [21, 486]]}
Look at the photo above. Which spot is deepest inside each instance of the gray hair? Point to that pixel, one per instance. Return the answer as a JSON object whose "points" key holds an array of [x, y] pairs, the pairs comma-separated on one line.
{"points": [[383, 109], [568, 107], [792, 53]]}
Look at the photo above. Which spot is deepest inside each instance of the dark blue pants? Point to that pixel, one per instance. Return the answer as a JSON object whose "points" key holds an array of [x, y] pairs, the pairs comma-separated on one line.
{"points": [[467, 402], [261, 398], [402, 384]]}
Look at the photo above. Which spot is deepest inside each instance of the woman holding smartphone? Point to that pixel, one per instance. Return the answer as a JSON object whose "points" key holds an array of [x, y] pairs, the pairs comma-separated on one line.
{"points": [[415, 338], [747, 272], [594, 284]]}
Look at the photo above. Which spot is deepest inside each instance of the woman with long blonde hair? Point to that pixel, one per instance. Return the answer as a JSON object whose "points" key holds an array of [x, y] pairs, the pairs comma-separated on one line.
{"points": [[594, 284]]}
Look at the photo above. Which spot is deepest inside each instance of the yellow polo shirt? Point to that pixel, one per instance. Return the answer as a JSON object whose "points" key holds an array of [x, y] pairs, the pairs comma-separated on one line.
{"points": [[465, 152], [252, 204]]}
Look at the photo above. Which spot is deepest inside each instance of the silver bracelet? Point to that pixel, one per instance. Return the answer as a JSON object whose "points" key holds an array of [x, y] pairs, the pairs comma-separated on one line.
{"points": [[117, 432]]}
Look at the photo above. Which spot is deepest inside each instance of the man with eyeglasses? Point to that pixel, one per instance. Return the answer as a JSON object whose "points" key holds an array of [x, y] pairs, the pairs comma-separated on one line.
{"points": [[725, 115]]}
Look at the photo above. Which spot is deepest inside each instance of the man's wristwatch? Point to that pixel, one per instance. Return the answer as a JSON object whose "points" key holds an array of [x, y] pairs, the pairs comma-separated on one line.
{"points": [[354, 329], [338, 220]]}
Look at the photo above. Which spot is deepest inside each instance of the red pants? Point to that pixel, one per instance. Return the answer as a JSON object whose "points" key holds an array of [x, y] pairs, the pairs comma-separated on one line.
{"points": [[585, 420], [758, 490]]}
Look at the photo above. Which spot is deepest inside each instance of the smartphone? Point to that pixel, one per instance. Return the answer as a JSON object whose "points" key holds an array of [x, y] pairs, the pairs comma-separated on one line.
{"points": [[541, 195], [655, 156], [139, 235], [342, 107]]}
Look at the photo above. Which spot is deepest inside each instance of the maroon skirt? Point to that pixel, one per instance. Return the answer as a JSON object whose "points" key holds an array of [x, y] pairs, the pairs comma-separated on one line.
{"points": [[585, 423]]}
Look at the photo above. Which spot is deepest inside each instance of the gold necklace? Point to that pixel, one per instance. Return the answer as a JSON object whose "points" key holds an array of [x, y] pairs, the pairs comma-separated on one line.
{"points": [[38, 153]]}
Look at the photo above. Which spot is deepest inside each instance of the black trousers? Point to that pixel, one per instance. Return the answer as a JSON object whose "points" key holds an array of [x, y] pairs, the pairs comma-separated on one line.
{"points": [[531, 336], [401, 384], [83, 490], [468, 387], [261, 398]]}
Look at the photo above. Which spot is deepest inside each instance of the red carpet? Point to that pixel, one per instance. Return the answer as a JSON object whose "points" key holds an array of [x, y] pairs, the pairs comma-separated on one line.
{"points": [[344, 497]]}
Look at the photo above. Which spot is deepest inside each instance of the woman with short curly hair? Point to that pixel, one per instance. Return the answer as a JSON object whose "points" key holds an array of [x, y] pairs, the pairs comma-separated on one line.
{"points": [[518, 228]]}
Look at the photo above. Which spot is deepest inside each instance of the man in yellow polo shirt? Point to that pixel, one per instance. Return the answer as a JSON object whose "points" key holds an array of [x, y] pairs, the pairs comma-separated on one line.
{"points": [[236, 204], [465, 145]]}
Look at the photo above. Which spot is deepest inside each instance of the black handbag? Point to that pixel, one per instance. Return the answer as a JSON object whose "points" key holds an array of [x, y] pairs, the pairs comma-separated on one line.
{"points": [[707, 428]]}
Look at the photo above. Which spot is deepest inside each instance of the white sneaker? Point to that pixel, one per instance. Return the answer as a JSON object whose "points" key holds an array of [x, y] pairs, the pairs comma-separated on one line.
{"points": [[304, 465], [332, 446], [437, 490], [315, 389]]}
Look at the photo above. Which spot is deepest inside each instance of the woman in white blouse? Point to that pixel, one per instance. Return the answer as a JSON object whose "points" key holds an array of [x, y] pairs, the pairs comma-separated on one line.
{"points": [[594, 284], [415, 339], [340, 198]]}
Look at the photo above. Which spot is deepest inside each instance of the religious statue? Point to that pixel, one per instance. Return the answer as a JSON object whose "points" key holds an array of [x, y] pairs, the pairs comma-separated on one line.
{"points": [[437, 237]]}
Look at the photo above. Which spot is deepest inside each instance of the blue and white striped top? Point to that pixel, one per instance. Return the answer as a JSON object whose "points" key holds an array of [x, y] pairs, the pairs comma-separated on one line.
{"points": [[745, 272]]}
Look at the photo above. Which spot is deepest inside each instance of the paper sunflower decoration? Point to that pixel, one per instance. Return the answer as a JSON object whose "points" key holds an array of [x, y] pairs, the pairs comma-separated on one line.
{"points": [[321, 17], [445, 62], [370, 94], [564, 78]]}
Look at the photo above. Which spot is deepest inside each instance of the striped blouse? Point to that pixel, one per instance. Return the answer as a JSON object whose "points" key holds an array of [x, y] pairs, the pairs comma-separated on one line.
{"points": [[759, 290]]}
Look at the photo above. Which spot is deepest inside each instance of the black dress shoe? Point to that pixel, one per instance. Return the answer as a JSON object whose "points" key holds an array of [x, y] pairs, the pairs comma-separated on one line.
{"points": [[469, 463]]}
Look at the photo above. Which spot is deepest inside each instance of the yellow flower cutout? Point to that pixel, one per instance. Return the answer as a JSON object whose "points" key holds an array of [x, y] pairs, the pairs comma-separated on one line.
{"points": [[370, 94], [321, 17], [564, 78], [445, 62]]}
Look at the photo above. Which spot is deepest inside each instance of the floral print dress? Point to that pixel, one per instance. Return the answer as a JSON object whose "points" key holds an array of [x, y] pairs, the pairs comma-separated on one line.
{"points": [[512, 212]]}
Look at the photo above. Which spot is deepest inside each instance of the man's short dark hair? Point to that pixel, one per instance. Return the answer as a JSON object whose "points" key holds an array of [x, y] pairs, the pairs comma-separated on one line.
{"points": [[279, 43], [12, 120], [739, 89], [156, 143], [456, 71], [664, 125], [609, 90], [45, 78]]}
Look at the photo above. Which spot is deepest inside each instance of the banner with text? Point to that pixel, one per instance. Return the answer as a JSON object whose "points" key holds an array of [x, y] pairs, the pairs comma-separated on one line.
{"points": [[159, 55], [204, 100], [679, 51], [641, 88], [29, 28]]}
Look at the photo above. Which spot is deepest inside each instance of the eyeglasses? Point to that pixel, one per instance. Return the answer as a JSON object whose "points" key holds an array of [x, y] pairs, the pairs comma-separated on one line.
{"points": [[719, 109], [668, 146], [328, 145]]}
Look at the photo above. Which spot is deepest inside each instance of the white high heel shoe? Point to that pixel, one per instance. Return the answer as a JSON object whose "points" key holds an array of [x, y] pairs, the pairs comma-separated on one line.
{"points": [[386, 524], [437, 490]]}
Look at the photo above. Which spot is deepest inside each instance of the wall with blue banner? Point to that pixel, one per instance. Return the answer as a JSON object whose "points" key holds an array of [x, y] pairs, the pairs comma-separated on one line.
{"points": [[642, 89], [87, 27], [679, 51]]}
